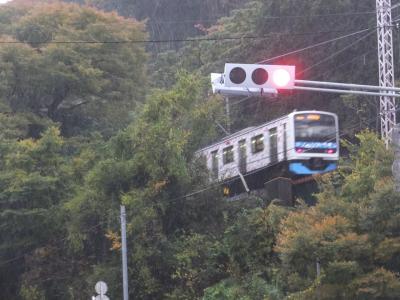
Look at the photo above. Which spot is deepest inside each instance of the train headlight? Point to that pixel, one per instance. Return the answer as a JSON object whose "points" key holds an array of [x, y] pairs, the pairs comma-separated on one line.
{"points": [[331, 151]]}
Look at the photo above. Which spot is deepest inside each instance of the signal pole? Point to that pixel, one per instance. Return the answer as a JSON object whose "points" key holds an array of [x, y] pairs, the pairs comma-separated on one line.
{"points": [[386, 69], [124, 254]]}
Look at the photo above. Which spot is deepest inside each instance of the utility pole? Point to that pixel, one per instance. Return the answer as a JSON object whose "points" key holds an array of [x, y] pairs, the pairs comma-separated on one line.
{"points": [[124, 255], [386, 69], [318, 265]]}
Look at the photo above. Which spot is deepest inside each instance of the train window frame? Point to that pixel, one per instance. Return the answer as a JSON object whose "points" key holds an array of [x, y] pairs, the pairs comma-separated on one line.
{"points": [[228, 155], [257, 143]]}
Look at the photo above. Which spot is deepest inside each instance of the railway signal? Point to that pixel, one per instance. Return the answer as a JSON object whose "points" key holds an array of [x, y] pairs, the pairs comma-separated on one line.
{"points": [[259, 76], [261, 80]]}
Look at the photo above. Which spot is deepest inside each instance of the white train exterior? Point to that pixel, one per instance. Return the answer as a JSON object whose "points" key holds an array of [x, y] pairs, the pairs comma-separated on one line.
{"points": [[305, 142]]}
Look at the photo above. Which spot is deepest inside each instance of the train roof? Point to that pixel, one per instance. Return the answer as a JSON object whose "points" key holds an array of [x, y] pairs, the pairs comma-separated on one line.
{"points": [[249, 129], [241, 132]]}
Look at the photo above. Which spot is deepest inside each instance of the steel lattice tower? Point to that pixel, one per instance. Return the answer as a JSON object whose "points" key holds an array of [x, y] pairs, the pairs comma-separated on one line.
{"points": [[386, 70]]}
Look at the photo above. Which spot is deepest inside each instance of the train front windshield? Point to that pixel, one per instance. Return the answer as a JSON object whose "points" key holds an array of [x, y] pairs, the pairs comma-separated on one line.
{"points": [[315, 133]]}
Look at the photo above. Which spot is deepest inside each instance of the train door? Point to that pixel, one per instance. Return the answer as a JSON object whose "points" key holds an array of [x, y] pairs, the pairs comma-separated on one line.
{"points": [[273, 145], [242, 157], [214, 164]]}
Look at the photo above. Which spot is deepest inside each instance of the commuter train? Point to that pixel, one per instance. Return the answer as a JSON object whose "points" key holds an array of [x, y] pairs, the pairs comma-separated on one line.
{"points": [[298, 144]]}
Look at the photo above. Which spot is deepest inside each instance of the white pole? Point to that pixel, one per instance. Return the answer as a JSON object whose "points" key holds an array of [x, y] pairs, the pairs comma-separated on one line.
{"points": [[347, 85], [326, 90], [124, 254]]}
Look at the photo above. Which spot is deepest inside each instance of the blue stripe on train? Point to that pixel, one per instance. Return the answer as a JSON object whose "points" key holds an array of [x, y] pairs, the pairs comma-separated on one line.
{"points": [[316, 145], [301, 169]]}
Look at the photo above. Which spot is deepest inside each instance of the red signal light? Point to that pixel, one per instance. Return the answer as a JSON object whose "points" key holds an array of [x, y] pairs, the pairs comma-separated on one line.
{"points": [[281, 78], [268, 77]]}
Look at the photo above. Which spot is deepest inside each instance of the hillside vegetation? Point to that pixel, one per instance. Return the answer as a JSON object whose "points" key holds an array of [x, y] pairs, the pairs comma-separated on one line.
{"points": [[104, 103]]}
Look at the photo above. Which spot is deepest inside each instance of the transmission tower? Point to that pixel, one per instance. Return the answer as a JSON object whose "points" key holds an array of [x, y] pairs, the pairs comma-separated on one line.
{"points": [[386, 70]]}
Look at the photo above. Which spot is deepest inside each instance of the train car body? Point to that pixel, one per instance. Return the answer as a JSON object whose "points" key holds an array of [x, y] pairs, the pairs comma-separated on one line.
{"points": [[299, 144]]}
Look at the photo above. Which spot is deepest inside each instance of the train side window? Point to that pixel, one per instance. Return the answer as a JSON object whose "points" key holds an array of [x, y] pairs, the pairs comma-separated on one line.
{"points": [[214, 164], [227, 155], [257, 143]]}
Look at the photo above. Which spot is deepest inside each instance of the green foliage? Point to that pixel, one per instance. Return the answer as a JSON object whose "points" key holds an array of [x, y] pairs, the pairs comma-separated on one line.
{"points": [[173, 19], [35, 180], [341, 272], [145, 166], [371, 163], [209, 56], [32, 293], [59, 227], [250, 239], [380, 284], [198, 263], [65, 72], [251, 288], [265, 30], [346, 232]]}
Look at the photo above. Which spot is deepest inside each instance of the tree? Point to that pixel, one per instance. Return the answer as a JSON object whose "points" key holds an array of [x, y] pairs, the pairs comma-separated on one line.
{"points": [[35, 180], [346, 232], [148, 168], [173, 19], [74, 65], [264, 30]]}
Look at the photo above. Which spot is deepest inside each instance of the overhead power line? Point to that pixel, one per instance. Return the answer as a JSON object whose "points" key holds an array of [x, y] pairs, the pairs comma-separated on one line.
{"points": [[347, 63], [270, 17], [336, 53], [223, 38], [315, 45]]}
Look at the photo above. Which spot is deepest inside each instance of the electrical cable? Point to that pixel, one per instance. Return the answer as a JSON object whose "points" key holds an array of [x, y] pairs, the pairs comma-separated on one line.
{"points": [[315, 45], [169, 201], [269, 17], [293, 52], [336, 53], [310, 47], [227, 38], [3, 263], [340, 51], [219, 39], [322, 43], [320, 62], [346, 63]]}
